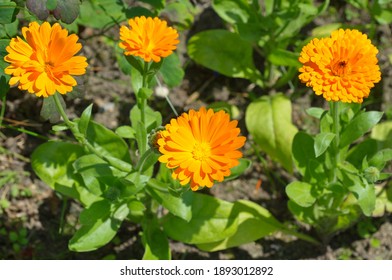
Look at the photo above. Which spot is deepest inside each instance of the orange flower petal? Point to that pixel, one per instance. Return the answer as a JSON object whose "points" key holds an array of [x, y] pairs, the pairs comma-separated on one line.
{"points": [[343, 67], [148, 38], [45, 62], [190, 146]]}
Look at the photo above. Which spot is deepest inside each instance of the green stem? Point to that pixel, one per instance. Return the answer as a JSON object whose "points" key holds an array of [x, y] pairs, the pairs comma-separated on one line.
{"points": [[61, 111], [117, 163], [335, 111], [143, 100]]}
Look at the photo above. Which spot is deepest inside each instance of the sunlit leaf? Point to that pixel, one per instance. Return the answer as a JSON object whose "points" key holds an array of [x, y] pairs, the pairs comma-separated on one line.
{"points": [[108, 142], [322, 141], [359, 126], [172, 71], [254, 223], [177, 204], [214, 49], [100, 223], [268, 119], [212, 220], [232, 11], [4, 78], [383, 132], [282, 57], [52, 162], [8, 12], [101, 14], [301, 193], [155, 242]]}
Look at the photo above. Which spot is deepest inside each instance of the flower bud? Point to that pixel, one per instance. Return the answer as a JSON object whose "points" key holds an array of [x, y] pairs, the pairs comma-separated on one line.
{"points": [[372, 174]]}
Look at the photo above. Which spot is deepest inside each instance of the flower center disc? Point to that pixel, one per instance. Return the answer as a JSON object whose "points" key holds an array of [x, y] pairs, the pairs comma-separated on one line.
{"points": [[201, 151], [341, 68]]}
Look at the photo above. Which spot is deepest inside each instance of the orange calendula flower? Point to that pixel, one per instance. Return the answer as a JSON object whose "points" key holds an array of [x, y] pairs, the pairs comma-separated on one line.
{"points": [[46, 61], [148, 38], [343, 67], [201, 147]]}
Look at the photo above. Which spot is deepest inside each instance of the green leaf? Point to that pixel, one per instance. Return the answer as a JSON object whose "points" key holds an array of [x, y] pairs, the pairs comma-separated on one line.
{"points": [[362, 123], [155, 242], [382, 132], [49, 109], [181, 12], [123, 63], [135, 62], [4, 78], [85, 119], [144, 93], [362, 190], [322, 142], [292, 19], [358, 153], [383, 201], [281, 57], [97, 174], [171, 71], [125, 131], [156, 4], [212, 220], [147, 160], [381, 158], [136, 206], [152, 121], [303, 151], [232, 11], [52, 162], [141, 137], [303, 214], [107, 142], [137, 11], [136, 80], [326, 122], [100, 223], [100, 14], [254, 222], [178, 204], [134, 182], [239, 169], [8, 12], [268, 119], [301, 193], [214, 49], [315, 112], [317, 172], [153, 69], [9, 30], [382, 13], [325, 30], [60, 127]]}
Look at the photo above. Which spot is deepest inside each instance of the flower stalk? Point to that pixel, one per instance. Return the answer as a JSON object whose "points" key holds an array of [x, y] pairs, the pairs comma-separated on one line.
{"points": [[117, 163], [335, 110]]}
